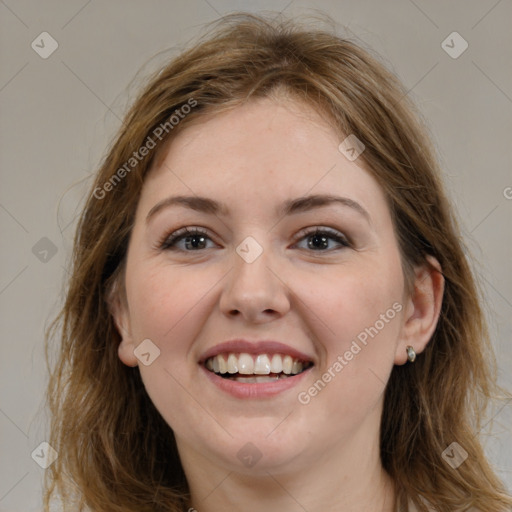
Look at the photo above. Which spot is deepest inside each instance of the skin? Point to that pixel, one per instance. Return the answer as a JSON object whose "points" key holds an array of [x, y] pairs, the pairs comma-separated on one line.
{"points": [[320, 456]]}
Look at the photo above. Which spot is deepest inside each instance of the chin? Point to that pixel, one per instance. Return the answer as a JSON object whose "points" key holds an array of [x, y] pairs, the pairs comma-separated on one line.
{"points": [[259, 450]]}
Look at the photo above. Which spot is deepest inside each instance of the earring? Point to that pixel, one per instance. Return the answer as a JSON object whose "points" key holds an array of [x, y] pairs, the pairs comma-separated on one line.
{"points": [[411, 354]]}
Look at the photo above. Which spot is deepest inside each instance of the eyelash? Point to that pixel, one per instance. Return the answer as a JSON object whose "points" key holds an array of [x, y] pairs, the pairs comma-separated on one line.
{"points": [[168, 243]]}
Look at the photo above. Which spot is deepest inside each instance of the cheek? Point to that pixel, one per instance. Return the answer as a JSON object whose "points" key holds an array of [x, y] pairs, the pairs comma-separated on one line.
{"points": [[168, 306], [361, 302], [161, 298], [360, 312], [352, 298]]}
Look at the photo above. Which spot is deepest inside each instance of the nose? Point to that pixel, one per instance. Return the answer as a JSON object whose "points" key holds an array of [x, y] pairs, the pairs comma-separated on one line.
{"points": [[255, 291]]}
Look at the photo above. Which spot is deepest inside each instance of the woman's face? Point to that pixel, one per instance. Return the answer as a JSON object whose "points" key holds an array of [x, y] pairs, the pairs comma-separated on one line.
{"points": [[331, 303]]}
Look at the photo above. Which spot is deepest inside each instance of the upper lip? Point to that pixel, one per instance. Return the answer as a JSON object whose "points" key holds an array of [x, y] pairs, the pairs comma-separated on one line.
{"points": [[254, 347]]}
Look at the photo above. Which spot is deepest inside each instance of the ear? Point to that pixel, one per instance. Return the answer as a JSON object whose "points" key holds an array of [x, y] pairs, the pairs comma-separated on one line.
{"points": [[118, 307], [422, 308]]}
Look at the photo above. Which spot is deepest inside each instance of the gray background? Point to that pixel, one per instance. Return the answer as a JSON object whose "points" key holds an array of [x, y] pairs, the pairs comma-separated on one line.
{"points": [[59, 113]]}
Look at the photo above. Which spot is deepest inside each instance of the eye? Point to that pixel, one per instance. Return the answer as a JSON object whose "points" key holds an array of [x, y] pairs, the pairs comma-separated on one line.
{"points": [[196, 239], [319, 239], [193, 238]]}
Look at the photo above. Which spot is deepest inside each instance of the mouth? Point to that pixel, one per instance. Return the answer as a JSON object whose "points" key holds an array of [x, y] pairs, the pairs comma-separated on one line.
{"points": [[256, 368]]}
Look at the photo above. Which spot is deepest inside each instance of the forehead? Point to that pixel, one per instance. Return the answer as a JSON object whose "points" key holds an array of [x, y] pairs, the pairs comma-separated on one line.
{"points": [[265, 148], [270, 121]]}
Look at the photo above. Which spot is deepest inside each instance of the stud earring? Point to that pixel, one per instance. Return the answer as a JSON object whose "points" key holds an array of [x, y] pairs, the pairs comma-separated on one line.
{"points": [[411, 354]]}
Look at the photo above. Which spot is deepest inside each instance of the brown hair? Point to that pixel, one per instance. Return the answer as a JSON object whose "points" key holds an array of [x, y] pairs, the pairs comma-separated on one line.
{"points": [[116, 453]]}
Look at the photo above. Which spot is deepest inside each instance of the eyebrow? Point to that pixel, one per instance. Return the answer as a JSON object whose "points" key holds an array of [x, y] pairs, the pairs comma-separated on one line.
{"points": [[292, 206]]}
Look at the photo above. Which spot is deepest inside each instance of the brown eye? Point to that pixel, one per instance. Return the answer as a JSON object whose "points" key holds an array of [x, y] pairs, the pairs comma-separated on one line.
{"points": [[194, 240], [318, 239]]}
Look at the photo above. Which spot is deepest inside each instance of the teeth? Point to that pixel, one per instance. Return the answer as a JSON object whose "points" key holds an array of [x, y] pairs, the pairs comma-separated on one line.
{"points": [[261, 364], [223, 365], [245, 364], [248, 380], [253, 380], [232, 364], [287, 365], [259, 378], [276, 365], [296, 367]]}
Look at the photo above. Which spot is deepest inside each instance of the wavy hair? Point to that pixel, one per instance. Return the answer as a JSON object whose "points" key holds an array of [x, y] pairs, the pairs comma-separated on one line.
{"points": [[116, 453]]}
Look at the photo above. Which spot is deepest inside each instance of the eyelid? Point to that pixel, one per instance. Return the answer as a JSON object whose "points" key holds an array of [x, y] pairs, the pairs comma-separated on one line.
{"points": [[311, 230]]}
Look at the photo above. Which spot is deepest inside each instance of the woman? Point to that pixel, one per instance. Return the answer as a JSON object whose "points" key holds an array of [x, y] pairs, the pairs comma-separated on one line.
{"points": [[270, 307]]}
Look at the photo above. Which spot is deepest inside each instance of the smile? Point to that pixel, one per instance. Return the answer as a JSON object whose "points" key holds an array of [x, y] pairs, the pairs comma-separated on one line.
{"points": [[255, 368]]}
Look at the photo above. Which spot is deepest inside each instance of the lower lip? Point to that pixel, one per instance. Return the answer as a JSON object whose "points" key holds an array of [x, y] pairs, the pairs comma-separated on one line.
{"points": [[254, 390]]}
